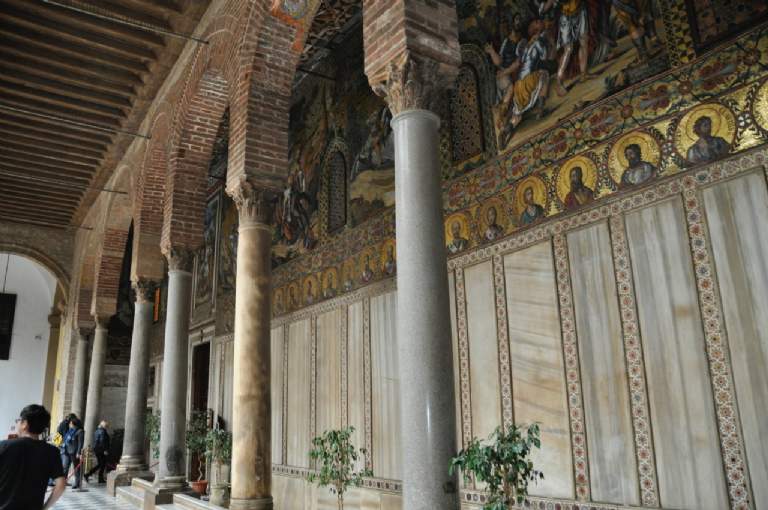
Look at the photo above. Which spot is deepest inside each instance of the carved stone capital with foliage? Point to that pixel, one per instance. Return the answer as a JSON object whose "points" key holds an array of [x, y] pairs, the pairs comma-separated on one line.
{"points": [[144, 290], [412, 82], [180, 259], [255, 204], [102, 321]]}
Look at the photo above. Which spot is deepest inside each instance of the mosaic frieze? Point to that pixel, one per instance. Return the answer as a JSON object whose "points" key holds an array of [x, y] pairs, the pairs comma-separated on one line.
{"points": [[603, 152]]}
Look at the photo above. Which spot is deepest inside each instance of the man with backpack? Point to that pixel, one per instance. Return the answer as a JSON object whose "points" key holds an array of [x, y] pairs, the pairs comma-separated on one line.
{"points": [[73, 449], [101, 449]]}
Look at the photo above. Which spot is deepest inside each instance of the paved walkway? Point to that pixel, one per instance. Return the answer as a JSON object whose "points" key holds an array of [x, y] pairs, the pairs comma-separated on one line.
{"points": [[95, 497]]}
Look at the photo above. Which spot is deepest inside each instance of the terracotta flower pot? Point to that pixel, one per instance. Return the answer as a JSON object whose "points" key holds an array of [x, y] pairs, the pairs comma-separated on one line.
{"points": [[199, 486]]}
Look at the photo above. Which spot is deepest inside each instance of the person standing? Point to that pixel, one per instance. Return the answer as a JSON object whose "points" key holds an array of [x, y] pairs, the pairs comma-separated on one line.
{"points": [[101, 449], [27, 463], [73, 449]]}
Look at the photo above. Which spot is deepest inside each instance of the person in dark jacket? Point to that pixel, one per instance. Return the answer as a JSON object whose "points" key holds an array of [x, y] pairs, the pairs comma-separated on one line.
{"points": [[62, 430], [101, 450], [73, 449]]}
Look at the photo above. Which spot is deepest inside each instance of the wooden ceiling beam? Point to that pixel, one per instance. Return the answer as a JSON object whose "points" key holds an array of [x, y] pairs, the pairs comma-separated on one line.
{"points": [[56, 150], [36, 219], [44, 153], [15, 61], [38, 206], [42, 133], [11, 188], [66, 170], [55, 86], [72, 32], [92, 24], [157, 6], [156, 17], [40, 106], [25, 35], [61, 99], [47, 174]]}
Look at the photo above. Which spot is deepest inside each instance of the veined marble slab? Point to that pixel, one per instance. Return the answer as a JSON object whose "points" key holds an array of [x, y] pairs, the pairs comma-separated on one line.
{"points": [[276, 393], [610, 445], [356, 377], [299, 345], [737, 214], [689, 466], [483, 350], [538, 376], [385, 381], [328, 371]]}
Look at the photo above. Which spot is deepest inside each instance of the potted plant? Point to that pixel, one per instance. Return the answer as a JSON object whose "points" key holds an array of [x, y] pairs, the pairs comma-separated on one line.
{"points": [[336, 456], [219, 451], [197, 432], [502, 463]]}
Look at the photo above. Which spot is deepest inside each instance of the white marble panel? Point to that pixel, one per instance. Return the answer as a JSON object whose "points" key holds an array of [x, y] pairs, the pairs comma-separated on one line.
{"points": [[483, 350], [737, 214], [356, 376], [276, 389], [299, 345], [538, 376], [385, 381], [229, 376], [610, 443], [328, 371], [685, 435]]}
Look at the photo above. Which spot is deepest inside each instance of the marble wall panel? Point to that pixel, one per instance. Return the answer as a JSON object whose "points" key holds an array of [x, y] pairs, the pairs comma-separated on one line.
{"points": [[683, 420], [538, 376], [385, 380], [455, 347], [276, 392], [610, 447], [356, 378], [328, 371], [228, 378], [737, 213], [298, 430], [483, 350]]}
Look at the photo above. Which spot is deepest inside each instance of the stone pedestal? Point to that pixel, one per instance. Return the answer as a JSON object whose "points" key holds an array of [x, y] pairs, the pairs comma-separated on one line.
{"points": [[81, 374], [132, 463], [251, 410], [171, 475], [95, 380]]}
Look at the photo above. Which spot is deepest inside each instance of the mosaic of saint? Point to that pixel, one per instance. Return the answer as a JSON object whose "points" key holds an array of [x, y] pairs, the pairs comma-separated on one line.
{"points": [[554, 57], [206, 255]]}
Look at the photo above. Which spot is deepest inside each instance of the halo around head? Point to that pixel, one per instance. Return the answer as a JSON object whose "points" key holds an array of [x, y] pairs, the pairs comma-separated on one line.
{"points": [[588, 175], [617, 159], [461, 218], [539, 193], [723, 125]]}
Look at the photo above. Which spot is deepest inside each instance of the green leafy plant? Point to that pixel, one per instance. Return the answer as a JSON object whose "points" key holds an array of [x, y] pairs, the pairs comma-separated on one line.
{"points": [[336, 457], [502, 463], [152, 432], [196, 438], [219, 446]]}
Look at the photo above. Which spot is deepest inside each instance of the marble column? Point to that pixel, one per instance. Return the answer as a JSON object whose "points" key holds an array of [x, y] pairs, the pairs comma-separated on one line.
{"points": [[171, 474], [95, 380], [428, 437], [251, 408], [133, 463], [81, 374]]}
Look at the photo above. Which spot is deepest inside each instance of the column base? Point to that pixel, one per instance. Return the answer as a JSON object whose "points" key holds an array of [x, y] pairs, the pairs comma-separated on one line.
{"points": [[251, 504], [122, 477], [158, 495]]}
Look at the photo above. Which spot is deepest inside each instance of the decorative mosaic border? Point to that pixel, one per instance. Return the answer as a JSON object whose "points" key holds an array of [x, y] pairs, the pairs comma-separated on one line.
{"points": [[635, 365], [379, 484], [717, 349], [572, 371], [502, 334], [344, 353], [286, 334], [367, 382], [312, 380], [464, 383], [538, 503]]}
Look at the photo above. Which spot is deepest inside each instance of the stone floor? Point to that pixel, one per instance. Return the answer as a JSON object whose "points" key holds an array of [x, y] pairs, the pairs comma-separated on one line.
{"points": [[95, 497]]}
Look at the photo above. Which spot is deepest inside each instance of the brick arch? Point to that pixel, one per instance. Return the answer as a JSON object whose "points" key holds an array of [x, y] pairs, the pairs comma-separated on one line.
{"points": [[82, 290], [148, 198], [49, 263], [269, 52], [110, 252]]}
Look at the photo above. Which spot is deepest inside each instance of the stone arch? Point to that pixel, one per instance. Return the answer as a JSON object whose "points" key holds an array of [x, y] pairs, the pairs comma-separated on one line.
{"points": [[46, 261], [109, 256], [82, 292]]}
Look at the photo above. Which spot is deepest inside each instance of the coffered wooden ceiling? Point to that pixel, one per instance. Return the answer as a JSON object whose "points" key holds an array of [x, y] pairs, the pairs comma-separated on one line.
{"points": [[74, 87]]}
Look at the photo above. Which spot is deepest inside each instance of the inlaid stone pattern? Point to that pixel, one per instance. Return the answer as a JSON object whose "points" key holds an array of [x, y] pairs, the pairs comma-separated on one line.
{"points": [[313, 379], [461, 326], [367, 370], [502, 332], [344, 334], [645, 456]]}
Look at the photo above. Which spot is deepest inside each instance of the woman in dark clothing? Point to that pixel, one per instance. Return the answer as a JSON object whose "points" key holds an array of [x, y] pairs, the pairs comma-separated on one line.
{"points": [[101, 449], [73, 449]]}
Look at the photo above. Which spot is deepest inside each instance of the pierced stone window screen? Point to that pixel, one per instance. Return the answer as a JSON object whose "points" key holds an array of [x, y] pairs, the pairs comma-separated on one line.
{"points": [[466, 117], [337, 192]]}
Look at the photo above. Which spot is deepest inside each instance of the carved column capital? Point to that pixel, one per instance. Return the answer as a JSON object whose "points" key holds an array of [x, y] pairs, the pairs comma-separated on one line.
{"points": [[412, 82], [144, 290], [254, 204], [84, 332], [179, 258], [102, 321]]}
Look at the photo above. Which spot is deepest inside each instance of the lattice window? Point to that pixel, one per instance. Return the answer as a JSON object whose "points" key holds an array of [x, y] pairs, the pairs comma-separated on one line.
{"points": [[337, 192], [466, 119]]}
